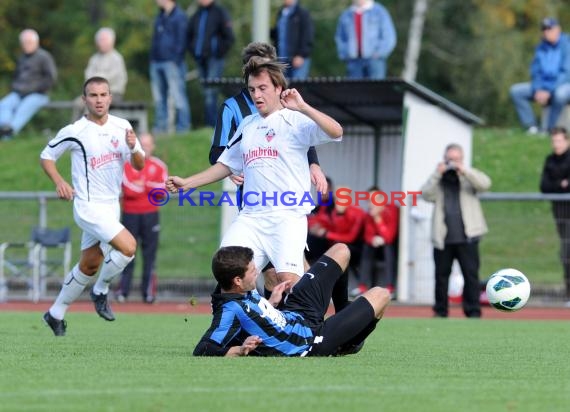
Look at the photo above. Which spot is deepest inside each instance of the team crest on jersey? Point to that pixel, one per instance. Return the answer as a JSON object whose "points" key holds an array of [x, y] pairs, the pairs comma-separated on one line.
{"points": [[114, 142], [270, 135]]}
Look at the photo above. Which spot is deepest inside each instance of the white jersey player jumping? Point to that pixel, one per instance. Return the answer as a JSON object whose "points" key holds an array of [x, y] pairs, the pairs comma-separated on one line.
{"points": [[270, 149], [99, 144]]}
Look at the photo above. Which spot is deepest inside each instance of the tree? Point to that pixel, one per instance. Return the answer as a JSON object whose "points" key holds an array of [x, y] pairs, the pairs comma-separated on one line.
{"points": [[415, 40]]}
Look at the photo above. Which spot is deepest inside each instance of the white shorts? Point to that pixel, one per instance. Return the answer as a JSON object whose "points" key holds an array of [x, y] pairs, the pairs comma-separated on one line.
{"points": [[99, 221], [279, 239]]}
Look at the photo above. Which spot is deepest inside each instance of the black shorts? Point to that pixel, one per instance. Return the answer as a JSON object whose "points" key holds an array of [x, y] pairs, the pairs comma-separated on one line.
{"points": [[311, 297], [351, 325]]}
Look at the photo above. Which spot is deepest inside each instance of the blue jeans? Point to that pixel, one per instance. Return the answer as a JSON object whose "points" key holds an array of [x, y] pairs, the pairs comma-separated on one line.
{"points": [[522, 96], [169, 79], [16, 111], [366, 68], [210, 68], [298, 73]]}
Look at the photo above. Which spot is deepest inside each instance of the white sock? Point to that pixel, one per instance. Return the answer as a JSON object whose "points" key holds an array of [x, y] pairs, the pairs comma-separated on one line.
{"points": [[113, 265], [73, 285]]}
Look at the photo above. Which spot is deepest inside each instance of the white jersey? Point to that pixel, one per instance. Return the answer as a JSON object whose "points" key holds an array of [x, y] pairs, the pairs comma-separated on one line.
{"points": [[98, 155], [271, 152]]}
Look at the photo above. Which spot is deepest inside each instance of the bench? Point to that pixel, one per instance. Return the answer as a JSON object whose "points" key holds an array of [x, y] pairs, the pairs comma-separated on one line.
{"points": [[134, 112]]}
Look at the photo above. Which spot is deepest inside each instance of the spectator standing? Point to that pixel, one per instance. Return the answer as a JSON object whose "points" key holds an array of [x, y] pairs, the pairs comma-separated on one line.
{"points": [[35, 75], [365, 37], [550, 78], [210, 37], [294, 35], [457, 226], [141, 218], [168, 68], [555, 179], [107, 62]]}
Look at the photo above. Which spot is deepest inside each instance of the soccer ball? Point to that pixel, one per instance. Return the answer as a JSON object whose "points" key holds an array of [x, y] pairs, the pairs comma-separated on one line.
{"points": [[508, 290]]}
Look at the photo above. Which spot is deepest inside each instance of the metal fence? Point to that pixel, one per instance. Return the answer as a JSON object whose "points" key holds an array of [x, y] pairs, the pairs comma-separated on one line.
{"points": [[522, 234], [188, 236]]}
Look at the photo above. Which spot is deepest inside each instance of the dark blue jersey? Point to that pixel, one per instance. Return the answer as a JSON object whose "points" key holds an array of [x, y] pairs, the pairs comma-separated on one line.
{"points": [[230, 115], [236, 316]]}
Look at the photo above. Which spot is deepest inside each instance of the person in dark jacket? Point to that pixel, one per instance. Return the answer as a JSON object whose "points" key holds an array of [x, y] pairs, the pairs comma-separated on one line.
{"points": [[168, 68], [210, 37], [293, 36], [550, 78], [34, 76], [556, 179]]}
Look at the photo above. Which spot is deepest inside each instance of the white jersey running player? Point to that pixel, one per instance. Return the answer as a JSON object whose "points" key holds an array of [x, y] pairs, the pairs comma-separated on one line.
{"points": [[270, 148], [99, 144]]}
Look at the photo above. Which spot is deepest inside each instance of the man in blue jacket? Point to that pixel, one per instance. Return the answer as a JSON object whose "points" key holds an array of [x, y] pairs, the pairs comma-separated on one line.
{"points": [[550, 78], [167, 66], [210, 37], [365, 37], [293, 35]]}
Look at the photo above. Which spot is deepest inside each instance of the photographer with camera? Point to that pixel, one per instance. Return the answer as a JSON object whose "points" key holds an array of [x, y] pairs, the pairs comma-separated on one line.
{"points": [[457, 226]]}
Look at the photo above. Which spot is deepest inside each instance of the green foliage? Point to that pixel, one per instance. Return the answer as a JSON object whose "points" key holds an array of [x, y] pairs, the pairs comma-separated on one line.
{"points": [[143, 362], [472, 51]]}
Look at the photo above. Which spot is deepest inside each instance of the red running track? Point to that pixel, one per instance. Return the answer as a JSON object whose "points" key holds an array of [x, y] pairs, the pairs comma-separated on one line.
{"points": [[393, 311]]}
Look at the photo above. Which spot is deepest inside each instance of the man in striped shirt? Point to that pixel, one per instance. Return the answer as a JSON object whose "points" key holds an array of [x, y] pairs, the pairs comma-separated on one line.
{"points": [[245, 323]]}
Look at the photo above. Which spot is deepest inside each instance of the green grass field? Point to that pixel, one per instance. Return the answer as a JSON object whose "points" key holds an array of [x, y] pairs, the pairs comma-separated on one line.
{"points": [[144, 363]]}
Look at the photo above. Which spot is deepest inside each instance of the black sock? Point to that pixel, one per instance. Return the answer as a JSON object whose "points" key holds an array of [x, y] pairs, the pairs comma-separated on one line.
{"points": [[340, 293]]}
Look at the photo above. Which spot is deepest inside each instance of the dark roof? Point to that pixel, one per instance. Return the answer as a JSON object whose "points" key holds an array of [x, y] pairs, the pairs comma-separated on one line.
{"points": [[360, 101]]}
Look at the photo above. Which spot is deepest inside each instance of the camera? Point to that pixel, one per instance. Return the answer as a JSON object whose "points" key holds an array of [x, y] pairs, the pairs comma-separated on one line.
{"points": [[450, 165]]}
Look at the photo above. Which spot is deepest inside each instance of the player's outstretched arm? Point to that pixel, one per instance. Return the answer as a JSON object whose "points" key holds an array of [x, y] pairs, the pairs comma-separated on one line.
{"points": [[63, 189], [292, 99], [210, 175]]}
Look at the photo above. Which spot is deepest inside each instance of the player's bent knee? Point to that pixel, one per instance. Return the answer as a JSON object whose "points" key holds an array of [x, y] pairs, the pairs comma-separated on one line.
{"points": [[378, 297], [340, 253], [130, 250], [125, 243]]}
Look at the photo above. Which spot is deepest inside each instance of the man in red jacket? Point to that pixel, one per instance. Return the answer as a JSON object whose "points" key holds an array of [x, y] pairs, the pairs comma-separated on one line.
{"points": [[141, 218]]}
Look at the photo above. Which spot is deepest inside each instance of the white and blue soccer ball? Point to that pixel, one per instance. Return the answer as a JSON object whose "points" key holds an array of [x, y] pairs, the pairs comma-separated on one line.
{"points": [[508, 290]]}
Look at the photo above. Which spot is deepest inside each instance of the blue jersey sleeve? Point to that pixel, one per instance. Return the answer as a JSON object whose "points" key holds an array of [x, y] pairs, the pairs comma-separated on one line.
{"points": [[223, 333]]}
